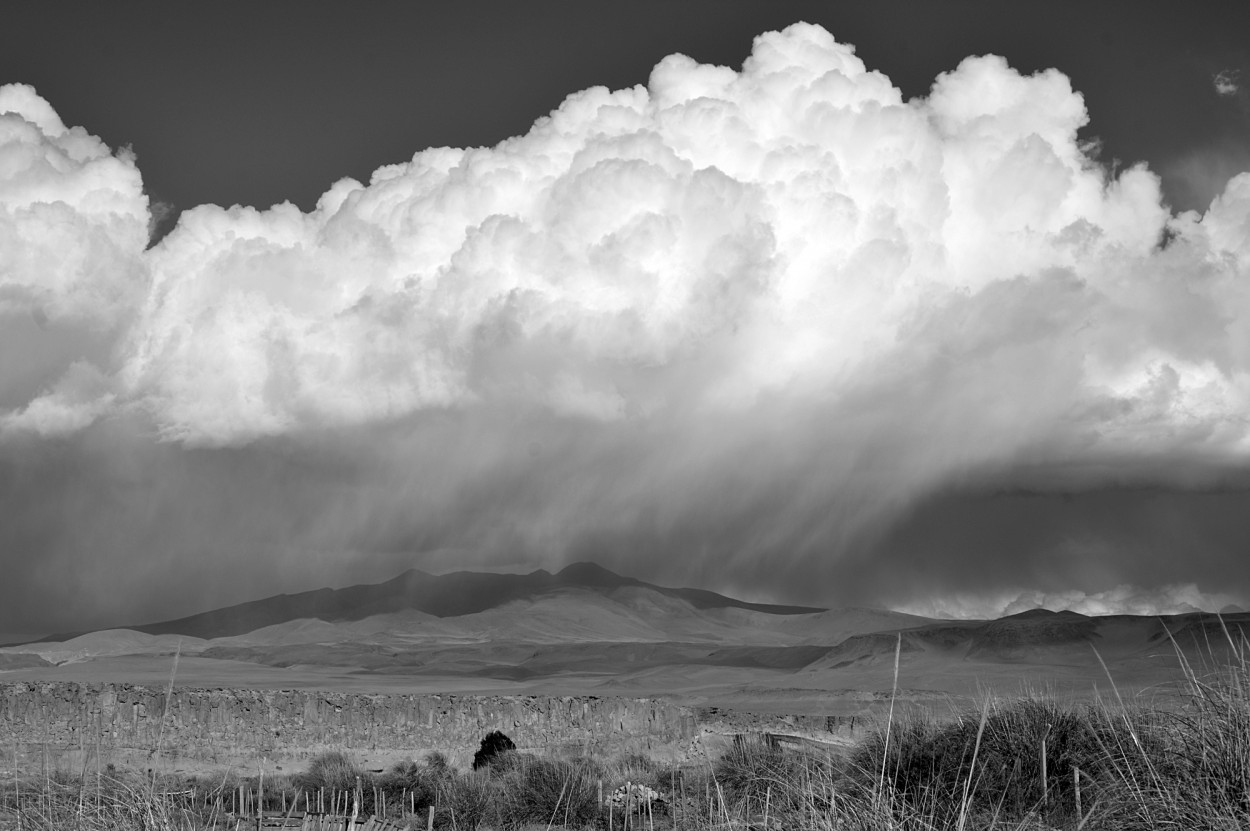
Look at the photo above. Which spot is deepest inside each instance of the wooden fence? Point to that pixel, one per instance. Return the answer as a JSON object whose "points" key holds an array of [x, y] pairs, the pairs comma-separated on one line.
{"points": [[318, 822], [333, 810]]}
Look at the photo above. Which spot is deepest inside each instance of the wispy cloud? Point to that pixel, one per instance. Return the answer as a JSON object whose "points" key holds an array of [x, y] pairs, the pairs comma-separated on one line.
{"points": [[1227, 82]]}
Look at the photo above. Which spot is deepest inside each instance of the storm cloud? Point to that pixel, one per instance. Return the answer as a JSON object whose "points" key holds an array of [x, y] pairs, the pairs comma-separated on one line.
{"points": [[773, 330]]}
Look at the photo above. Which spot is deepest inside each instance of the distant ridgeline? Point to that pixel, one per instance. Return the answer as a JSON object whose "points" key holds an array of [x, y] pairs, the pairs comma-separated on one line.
{"points": [[123, 723], [445, 595]]}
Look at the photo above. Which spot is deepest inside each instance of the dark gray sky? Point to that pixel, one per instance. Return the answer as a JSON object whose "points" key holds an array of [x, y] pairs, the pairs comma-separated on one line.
{"points": [[789, 329], [259, 103]]}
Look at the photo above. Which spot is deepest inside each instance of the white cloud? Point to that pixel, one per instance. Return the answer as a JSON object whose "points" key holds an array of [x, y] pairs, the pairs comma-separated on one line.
{"points": [[793, 226], [77, 399], [1119, 600], [73, 226], [1226, 82], [784, 284], [73, 217]]}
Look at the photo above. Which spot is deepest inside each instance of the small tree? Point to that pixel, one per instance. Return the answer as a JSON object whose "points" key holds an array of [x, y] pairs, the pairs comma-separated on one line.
{"points": [[494, 745]]}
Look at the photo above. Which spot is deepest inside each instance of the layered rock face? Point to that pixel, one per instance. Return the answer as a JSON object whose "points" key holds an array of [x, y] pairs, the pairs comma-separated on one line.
{"points": [[198, 729]]}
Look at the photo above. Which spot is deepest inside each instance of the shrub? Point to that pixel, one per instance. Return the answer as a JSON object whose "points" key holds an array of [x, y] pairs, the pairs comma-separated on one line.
{"points": [[333, 770], [494, 745]]}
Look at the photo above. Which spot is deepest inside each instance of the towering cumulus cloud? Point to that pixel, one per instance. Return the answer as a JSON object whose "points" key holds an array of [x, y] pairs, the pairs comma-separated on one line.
{"points": [[733, 326], [73, 225]]}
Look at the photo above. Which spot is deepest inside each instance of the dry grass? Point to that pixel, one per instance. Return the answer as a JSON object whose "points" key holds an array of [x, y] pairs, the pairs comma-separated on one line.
{"points": [[1029, 763], [109, 802]]}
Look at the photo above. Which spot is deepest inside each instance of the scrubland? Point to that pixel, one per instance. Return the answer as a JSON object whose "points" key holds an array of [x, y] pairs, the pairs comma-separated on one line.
{"points": [[1180, 760]]}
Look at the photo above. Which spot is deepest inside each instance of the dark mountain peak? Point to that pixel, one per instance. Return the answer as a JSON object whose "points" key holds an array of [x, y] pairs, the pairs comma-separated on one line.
{"points": [[411, 577], [411, 574], [1045, 614], [592, 574]]}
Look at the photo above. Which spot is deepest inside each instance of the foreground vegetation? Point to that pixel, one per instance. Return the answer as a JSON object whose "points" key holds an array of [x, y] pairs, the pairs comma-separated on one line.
{"points": [[1026, 763]]}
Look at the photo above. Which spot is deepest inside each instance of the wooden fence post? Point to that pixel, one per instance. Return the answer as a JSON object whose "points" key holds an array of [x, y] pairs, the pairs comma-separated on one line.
{"points": [[1045, 782]]}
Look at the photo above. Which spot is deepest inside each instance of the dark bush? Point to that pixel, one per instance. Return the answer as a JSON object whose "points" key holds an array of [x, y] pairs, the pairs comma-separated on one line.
{"points": [[494, 745]]}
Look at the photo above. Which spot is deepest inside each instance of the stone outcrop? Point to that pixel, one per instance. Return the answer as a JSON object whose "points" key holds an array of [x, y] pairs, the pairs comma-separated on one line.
{"points": [[830, 729], [198, 729], [77, 726]]}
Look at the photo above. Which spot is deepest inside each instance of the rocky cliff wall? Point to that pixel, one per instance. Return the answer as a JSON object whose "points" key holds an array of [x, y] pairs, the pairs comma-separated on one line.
{"points": [[197, 729]]}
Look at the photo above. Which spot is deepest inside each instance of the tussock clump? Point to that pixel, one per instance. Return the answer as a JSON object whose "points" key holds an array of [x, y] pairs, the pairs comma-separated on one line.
{"points": [[747, 765], [1187, 767], [753, 775], [1182, 763], [993, 759], [438, 766], [632, 767], [410, 785], [565, 793], [637, 764], [333, 770], [469, 802]]}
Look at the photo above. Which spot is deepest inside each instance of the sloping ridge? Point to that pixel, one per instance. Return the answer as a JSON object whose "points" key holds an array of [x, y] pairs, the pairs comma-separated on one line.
{"points": [[1038, 635], [1206, 632], [1019, 636], [448, 595]]}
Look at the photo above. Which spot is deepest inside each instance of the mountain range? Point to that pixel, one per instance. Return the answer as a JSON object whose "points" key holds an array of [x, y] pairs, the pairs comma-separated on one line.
{"points": [[448, 595], [586, 629]]}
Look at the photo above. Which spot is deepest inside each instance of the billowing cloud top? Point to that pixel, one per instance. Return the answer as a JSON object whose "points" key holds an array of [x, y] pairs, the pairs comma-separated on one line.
{"points": [[756, 312]]}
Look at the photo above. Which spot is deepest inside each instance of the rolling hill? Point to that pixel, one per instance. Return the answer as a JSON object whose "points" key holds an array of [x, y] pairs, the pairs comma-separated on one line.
{"points": [[449, 595]]}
